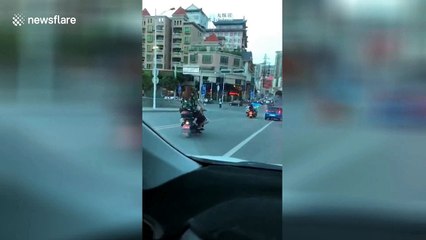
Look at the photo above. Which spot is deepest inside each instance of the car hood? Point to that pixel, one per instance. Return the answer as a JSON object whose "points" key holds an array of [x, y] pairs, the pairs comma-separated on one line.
{"points": [[223, 160]]}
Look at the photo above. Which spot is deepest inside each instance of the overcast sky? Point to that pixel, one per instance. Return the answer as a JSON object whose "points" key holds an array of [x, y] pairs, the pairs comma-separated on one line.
{"points": [[264, 20]]}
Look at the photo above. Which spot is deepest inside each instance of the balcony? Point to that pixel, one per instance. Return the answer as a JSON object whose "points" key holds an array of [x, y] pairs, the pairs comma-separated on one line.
{"points": [[177, 54], [177, 35]]}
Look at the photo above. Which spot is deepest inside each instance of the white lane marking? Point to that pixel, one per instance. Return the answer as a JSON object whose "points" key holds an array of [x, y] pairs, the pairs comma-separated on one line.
{"points": [[178, 125], [241, 144]]}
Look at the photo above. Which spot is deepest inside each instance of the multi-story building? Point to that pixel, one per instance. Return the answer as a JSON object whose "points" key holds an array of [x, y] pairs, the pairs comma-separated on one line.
{"points": [[174, 36], [234, 31], [156, 31], [216, 65], [278, 72], [211, 57], [263, 71], [196, 15], [184, 34]]}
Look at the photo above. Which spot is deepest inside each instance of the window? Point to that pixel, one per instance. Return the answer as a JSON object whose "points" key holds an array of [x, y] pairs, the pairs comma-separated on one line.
{"points": [[187, 30], [149, 57], [185, 59], [149, 38], [207, 59], [224, 60], [194, 58], [236, 62], [187, 40], [149, 47]]}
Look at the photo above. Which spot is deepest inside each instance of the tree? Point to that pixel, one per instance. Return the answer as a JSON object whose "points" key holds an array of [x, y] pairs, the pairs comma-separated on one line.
{"points": [[169, 82], [147, 80]]}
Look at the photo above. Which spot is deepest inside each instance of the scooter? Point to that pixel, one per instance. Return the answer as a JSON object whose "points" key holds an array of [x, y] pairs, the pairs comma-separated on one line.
{"points": [[188, 124], [251, 114]]}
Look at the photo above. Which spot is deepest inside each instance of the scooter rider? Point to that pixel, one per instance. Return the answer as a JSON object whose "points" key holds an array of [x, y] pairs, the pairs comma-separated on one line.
{"points": [[251, 108], [192, 103]]}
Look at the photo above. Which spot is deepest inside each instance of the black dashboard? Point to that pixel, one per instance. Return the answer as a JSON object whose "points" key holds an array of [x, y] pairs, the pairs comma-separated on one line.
{"points": [[216, 202]]}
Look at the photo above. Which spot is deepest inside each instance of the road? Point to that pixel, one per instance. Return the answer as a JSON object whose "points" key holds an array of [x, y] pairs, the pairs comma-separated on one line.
{"points": [[229, 133], [350, 158]]}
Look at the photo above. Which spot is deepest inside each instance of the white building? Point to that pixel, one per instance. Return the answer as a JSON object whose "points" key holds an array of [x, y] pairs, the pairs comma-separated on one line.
{"points": [[233, 30], [197, 16]]}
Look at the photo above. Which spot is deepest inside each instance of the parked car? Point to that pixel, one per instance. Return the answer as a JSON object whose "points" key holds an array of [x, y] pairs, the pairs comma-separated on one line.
{"points": [[273, 112]]}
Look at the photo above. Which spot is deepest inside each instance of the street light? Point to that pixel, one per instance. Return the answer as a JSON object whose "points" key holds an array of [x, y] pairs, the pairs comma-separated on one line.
{"points": [[154, 70]]}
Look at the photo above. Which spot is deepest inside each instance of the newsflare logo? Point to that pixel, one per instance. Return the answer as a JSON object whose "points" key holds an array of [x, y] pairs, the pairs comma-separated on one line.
{"points": [[19, 19]]}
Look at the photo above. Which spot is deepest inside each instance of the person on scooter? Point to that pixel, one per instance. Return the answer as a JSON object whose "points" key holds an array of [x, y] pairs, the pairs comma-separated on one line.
{"points": [[251, 108], [192, 103]]}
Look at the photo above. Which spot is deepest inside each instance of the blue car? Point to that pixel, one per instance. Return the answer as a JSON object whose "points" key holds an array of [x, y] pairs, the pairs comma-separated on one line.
{"points": [[274, 113]]}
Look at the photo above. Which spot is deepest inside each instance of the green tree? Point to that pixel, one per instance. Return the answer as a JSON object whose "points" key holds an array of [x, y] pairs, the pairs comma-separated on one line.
{"points": [[169, 82], [147, 80]]}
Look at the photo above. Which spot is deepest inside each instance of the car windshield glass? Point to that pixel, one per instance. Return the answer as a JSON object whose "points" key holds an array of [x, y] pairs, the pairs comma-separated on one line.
{"points": [[204, 64]]}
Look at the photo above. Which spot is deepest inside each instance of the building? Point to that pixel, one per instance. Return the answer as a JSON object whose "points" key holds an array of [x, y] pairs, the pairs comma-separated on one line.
{"points": [[174, 37], [249, 70], [197, 16], [218, 67], [156, 31], [278, 72], [234, 31], [264, 71], [184, 34]]}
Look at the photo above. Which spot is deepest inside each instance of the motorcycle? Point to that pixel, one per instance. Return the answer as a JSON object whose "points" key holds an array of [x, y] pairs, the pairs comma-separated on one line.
{"points": [[188, 124], [251, 114]]}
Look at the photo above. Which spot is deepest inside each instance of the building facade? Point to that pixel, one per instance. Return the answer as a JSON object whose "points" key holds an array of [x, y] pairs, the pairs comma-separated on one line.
{"points": [[174, 36], [234, 31], [156, 31], [278, 72], [264, 77], [197, 16], [218, 68]]}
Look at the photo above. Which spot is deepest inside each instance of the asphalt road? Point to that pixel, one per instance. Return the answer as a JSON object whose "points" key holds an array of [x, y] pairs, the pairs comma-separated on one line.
{"points": [[229, 133]]}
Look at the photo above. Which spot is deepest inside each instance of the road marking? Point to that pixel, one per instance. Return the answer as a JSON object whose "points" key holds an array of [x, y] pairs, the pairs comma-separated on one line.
{"points": [[240, 145]]}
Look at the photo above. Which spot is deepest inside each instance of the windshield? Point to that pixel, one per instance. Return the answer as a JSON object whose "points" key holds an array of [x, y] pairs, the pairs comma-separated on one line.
{"points": [[207, 67]]}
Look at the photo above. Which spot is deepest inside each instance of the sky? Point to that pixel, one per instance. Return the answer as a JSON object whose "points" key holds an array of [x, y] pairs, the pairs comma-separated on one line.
{"points": [[264, 20]]}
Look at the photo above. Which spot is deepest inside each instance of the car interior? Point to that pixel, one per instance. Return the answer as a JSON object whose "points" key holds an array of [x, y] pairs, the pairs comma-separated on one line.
{"points": [[188, 199]]}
